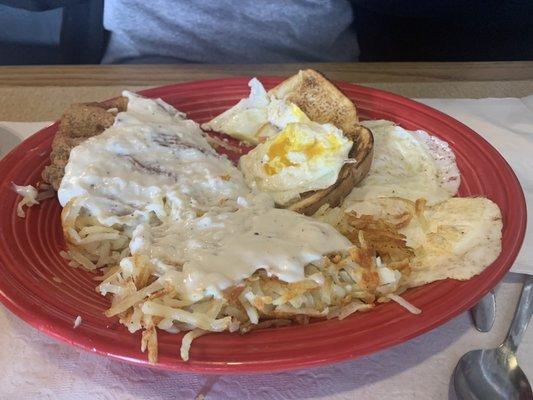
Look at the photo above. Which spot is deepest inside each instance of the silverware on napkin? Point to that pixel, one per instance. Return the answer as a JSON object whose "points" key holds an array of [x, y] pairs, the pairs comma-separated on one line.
{"points": [[484, 312], [494, 373]]}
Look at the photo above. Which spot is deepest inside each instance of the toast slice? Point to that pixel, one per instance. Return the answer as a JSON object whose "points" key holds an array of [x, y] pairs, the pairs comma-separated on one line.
{"points": [[350, 175], [320, 100], [324, 103]]}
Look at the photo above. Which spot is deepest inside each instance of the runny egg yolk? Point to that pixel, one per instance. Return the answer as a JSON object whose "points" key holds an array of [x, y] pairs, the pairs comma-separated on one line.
{"points": [[297, 144]]}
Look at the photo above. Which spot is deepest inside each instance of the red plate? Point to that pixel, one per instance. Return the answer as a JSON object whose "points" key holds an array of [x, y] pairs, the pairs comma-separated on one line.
{"points": [[30, 264]]}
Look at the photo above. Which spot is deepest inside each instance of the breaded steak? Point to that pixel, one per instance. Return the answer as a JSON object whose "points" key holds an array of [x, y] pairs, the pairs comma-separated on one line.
{"points": [[79, 122]]}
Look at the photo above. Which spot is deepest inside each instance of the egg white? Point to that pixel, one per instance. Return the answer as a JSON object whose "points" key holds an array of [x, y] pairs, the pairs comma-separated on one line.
{"points": [[313, 155], [456, 238], [408, 164], [256, 117]]}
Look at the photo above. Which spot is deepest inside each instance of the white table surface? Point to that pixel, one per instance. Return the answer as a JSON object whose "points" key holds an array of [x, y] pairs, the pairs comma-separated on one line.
{"points": [[37, 367]]}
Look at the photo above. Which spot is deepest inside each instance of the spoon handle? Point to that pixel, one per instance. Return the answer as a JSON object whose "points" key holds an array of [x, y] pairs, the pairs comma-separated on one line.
{"points": [[521, 316], [484, 312]]}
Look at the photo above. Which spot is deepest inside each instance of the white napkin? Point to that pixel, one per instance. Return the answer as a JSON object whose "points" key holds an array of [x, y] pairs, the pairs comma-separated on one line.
{"points": [[12, 133], [506, 123]]}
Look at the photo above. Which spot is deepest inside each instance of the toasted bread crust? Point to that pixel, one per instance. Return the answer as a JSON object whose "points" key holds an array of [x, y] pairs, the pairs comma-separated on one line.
{"points": [[324, 103], [320, 100], [349, 176]]}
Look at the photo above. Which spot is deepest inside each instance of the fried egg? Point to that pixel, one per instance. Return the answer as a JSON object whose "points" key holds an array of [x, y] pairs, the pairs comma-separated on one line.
{"points": [[304, 156], [462, 237], [456, 238], [256, 117], [408, 164]]}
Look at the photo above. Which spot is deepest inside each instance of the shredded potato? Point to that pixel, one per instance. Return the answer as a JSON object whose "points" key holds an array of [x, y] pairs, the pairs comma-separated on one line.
{"points": [[77, 322], [187, 341], [32, 196], [144, 298], [149, 341], [404, 303], [29, 198]]}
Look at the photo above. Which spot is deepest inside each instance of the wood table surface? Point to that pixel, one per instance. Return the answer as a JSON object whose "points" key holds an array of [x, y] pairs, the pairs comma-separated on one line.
{"points": [[37, 93]]}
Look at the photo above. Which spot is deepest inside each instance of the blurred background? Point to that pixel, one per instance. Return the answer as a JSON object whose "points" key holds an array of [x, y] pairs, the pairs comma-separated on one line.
{"points": [[137, 31]]}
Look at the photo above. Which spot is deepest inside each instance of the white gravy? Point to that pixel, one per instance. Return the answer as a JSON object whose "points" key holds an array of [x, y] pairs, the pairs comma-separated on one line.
{"points": [[217, 251], [150, 160], [211, 230]]}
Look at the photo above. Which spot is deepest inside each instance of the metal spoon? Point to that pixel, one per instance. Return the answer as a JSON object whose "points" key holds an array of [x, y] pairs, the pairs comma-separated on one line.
{"points": [[495, 374], [484, 312]]}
